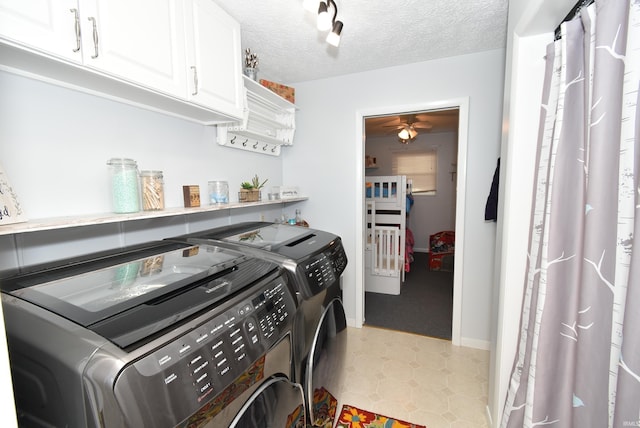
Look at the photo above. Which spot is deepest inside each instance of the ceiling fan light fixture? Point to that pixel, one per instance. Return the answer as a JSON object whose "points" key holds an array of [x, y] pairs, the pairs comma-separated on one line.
{"points": [[333, 38], [408, 132]]}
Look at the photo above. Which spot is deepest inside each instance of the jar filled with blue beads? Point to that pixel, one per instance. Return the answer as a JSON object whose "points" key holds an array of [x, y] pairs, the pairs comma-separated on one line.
{"points": [[125, 193]]}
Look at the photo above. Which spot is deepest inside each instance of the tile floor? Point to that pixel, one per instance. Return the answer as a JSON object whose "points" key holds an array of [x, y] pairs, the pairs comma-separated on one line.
{"points": [[415, 378]]}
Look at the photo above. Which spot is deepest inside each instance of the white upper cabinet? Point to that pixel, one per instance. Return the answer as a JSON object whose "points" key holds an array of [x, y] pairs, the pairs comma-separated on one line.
{"points": [[47, 26], [214, 57], [179, 57], [137, 40]]}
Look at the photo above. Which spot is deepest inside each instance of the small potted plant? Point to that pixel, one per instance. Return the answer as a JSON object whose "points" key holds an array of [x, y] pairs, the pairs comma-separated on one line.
{"points": [[250, 190]]}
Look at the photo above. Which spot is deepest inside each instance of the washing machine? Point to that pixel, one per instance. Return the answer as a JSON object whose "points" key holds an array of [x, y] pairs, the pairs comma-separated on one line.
{"points": [[165, 334], [314, 260]]}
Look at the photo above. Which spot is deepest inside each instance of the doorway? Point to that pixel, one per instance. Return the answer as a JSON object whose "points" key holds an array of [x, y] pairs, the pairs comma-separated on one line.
{"points": [[462, 104], [422, 146]]}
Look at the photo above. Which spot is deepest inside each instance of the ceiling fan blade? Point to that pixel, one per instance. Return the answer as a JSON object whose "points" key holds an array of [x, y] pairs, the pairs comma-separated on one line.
{"points": [[422, 125], [422, 117]]}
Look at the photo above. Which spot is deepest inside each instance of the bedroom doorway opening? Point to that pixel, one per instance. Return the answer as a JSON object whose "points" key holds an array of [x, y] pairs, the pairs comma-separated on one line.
{"points": [[423, 146]]}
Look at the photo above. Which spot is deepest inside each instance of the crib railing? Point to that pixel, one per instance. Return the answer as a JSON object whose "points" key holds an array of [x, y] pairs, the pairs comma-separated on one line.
{"points": [[388, 251]]}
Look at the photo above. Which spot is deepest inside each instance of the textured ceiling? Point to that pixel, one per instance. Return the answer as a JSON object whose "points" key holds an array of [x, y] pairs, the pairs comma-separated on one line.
{"points": [[376, 34]]}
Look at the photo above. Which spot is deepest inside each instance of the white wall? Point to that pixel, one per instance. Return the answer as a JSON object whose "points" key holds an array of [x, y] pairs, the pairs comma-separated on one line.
{"points": [[430, 213], [326, 158], [56, 142], [54, 145]]}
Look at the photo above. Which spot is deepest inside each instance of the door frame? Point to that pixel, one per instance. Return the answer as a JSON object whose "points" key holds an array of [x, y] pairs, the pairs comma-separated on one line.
{"points": [[461, 177]]}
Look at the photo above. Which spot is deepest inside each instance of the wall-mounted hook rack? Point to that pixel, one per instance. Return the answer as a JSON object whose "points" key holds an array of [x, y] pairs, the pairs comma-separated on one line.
{"points": [[229, 139]]}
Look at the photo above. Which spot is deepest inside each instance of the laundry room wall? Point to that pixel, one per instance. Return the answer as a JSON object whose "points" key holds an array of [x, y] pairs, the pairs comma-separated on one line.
{"points": [[54, 146], [430, 213], [327, 159]]}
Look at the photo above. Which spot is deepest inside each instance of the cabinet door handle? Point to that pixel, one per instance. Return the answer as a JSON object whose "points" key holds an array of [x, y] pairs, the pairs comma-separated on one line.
{"points": [[195, 79], [95, 36], [77, 28]]}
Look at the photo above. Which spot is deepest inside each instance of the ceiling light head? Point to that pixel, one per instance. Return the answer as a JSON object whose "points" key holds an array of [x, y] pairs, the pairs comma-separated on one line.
{"points": [[333, 38], [324, 20]]}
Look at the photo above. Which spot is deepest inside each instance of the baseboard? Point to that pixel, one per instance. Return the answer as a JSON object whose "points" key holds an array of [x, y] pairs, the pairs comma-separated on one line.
{"points": [[485, 345], [488, 416]]}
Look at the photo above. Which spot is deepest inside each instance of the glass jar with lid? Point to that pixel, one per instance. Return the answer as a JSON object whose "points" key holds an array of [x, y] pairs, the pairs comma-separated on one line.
{"points": [[152, 188], [125, 195]]}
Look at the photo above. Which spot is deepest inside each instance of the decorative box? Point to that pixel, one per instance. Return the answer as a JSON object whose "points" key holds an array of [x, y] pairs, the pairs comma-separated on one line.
{"points": [[286, 92], [286, 192], [191, 195]]}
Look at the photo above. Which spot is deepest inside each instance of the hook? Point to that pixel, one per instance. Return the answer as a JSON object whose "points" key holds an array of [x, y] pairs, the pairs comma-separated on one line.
{"points": [[264, 149], [244, 143], [273, 149], [233, 140], [255, 146]]}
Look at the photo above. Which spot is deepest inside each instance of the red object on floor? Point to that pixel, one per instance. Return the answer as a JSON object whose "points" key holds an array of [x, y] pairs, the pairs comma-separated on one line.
{"points": [[441, 245]]}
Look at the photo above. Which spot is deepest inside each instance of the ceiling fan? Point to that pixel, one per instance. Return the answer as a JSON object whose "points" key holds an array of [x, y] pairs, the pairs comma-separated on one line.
{"points": [[408, 125]]}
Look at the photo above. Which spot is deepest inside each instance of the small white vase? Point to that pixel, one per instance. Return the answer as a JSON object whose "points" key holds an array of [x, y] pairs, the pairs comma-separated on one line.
{"points": [[251, 73]]}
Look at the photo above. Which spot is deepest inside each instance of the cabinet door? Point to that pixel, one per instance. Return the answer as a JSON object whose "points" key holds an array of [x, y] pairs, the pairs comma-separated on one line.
{"points": [[214, 57], [47, 26], [140, 41]]}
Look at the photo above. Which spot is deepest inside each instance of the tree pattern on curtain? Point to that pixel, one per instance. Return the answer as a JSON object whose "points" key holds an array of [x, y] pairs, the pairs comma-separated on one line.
{"points": [[578, 359]]}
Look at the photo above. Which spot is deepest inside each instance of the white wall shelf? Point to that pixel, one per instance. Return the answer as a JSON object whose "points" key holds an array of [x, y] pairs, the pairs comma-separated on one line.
{"points": [[268, 122], [105, 218]]}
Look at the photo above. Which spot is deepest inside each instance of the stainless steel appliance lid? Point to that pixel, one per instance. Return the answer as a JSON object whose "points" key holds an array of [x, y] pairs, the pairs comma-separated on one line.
{"points": [[124, 293], [271, 236]]}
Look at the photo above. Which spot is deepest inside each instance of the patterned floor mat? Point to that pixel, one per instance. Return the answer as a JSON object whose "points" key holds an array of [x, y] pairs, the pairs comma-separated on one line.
{"points": [[352, 417]]}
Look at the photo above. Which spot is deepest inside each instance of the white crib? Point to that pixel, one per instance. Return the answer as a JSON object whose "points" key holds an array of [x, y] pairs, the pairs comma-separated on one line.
{"points": [[385, 233]]}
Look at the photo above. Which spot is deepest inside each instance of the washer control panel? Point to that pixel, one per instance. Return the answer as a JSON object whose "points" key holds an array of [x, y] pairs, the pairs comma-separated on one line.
{"points": [[186, 373]]}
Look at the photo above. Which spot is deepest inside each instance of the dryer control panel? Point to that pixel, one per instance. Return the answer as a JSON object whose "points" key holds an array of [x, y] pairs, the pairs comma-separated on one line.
{"points": [[180, 377], [321, 270]]}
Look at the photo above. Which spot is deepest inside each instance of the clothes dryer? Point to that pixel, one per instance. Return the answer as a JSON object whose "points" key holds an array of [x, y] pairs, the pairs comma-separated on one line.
{"points": [[315, 261]]}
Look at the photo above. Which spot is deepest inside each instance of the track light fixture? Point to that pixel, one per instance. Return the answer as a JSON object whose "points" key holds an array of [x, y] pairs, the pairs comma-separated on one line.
{"points": [[324, 20], [327, 13], [334, 36]]}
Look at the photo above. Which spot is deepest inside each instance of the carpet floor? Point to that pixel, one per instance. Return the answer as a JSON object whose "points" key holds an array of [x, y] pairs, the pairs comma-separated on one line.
{"points": [[424, 305]]}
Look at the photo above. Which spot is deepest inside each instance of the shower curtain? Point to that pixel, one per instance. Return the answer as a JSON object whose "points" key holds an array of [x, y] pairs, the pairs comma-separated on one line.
{"points": [[578, 357]]}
